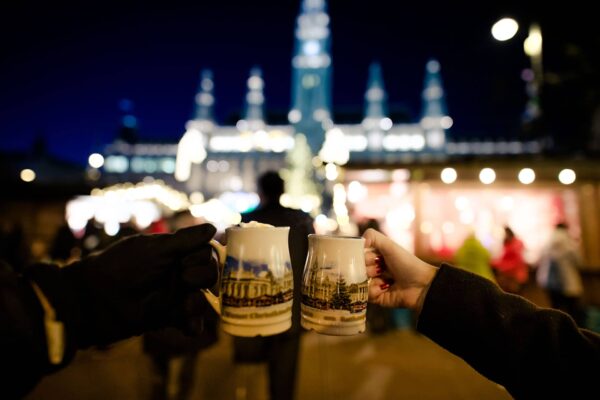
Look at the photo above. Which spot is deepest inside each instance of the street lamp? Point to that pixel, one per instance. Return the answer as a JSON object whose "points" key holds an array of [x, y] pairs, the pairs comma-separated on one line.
{"points": [[505, 29], [533, 48]]}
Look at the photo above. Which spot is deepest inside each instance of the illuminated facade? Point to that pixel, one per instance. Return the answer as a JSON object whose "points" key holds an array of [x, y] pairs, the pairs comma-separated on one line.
{"points": [[412, 178], [218, 160]]}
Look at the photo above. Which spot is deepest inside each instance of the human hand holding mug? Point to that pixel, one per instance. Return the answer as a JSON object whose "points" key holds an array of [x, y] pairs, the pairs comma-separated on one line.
{"points": [[398, 278], [138, 284], [256, 283]]}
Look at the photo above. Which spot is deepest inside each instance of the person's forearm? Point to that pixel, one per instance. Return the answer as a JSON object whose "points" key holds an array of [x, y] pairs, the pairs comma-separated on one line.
{"points": [[530, 350]]}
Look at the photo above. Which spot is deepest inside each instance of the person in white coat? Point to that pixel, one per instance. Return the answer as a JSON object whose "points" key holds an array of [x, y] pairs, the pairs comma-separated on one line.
{"points": [[558, 273]]}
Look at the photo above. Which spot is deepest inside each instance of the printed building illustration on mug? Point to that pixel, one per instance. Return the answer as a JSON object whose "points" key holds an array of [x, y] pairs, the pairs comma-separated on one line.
{"points": [[327, 289], [253, 284]]}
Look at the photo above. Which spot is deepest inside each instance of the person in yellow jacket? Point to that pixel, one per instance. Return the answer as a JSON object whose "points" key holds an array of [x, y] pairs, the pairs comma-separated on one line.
{"points": [[474, 257]]}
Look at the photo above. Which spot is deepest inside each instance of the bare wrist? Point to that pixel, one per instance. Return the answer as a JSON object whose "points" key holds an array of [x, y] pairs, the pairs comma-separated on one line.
{"points": [[429, 272]]}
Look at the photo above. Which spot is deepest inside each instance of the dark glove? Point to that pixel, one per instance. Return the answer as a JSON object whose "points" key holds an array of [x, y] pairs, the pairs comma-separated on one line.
{"points": [[141, 283]]}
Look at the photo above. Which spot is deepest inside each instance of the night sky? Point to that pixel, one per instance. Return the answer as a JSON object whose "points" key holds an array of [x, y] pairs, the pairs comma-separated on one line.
{"points": [[64, 66]]}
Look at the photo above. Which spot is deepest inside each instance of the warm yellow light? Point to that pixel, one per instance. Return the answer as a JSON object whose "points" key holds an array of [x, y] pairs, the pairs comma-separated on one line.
{"points": [[505, 29], [533, 44], [190, 150], [487, 176], [335, 148], [526, 176], [331, 172], [96, 160], [196, 198], [448, 175], [357, 192], [567, 176], [27, 175], [111, 228]]}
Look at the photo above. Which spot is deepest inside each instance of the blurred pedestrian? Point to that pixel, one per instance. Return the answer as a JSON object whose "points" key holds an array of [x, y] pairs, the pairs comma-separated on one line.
{"points": [[474, 257], [512, 272], [558, 273], [279, 351]]}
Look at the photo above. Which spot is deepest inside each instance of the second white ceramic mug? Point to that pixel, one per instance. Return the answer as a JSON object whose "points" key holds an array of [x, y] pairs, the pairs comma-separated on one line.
{"points": [[256, 283], [335, 285]]}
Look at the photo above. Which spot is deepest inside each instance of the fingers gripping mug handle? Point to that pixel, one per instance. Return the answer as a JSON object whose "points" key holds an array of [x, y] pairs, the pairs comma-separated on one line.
{"points": [[221, 255], [221, 251]]}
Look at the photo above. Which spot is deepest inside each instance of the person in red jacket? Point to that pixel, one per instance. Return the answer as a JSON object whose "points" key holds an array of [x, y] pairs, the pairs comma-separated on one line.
{"points": [[512, 272]]}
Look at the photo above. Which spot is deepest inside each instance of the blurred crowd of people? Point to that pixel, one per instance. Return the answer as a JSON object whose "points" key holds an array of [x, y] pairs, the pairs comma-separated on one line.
{"points": [[557, 272]]}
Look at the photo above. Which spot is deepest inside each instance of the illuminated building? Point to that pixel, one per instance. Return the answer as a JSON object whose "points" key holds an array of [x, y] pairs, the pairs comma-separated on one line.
{"points": [[213, 159], [407, 175]]}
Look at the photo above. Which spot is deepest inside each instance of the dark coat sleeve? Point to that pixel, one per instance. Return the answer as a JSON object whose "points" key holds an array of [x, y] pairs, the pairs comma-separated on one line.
{"points": [[533, 352], [23, 350], [23, 359]]}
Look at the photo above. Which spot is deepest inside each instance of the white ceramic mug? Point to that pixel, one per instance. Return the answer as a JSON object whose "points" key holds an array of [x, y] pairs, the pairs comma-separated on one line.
{"points": [[335, 285], [256, 283]]}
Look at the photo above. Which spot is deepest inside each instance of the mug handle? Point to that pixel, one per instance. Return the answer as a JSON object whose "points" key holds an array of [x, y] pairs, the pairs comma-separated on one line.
{"points": [[221, 255]]}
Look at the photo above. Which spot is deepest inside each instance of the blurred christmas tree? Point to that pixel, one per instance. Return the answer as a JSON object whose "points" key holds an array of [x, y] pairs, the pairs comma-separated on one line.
{"points": [[301, 191], [341, 297]]}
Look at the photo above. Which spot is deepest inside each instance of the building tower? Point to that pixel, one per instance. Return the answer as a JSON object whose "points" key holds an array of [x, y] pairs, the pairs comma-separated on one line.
{"points": [[203, 119], [376, 121], [311, 74], [192, 145], [253, 116], [434, 120], [128, 127]]}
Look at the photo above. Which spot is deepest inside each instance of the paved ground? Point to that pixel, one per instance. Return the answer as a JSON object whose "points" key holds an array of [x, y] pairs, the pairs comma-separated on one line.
{"points": [[399, 364]]}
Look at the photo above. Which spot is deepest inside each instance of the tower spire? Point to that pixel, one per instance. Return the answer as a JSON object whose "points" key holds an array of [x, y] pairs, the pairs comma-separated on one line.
{"points": [[128, 128], [375, 96], [376, 121], [434, 119], [205, 98], [192, 145], [255, 99], [204, 103], [311, 73]]}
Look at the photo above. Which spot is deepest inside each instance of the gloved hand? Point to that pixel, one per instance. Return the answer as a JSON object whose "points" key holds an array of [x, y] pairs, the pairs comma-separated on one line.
{"points": [[140, 283]]}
